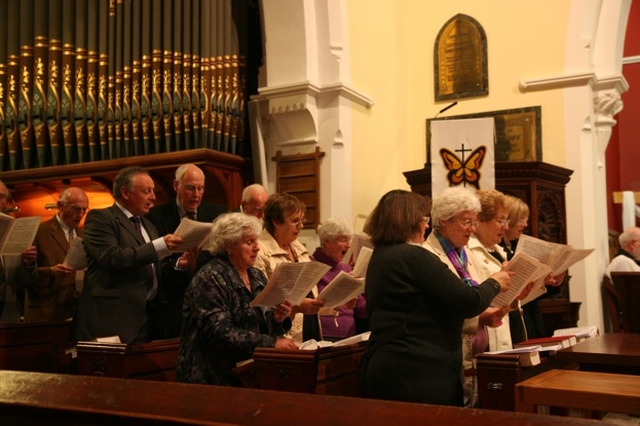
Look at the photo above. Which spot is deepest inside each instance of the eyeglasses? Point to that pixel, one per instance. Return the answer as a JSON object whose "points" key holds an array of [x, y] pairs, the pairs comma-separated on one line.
{"points": [[78, 209], [502, 222], [298, 221], [468, 223], [193, 188], [523, 221]]}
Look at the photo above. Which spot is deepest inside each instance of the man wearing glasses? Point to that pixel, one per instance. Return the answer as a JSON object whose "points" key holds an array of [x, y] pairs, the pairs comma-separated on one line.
{"points": [[53, 296], [189, 185]]}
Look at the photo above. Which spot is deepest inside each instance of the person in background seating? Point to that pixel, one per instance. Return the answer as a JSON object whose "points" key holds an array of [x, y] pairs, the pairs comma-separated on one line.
{"points": [[628, 257]]}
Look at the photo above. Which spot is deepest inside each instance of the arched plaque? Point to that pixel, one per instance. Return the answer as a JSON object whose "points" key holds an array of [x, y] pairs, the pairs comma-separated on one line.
{"points": [[460, 59]]}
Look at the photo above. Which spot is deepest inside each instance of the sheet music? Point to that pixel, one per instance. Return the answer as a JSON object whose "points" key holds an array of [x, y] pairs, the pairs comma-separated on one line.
{"points": [[76, 257], [527, 269], [193, 234], [360, 268], [357, 243], [17, 235], [341, 289], [539, 288], [558, 257], [292, 281]]}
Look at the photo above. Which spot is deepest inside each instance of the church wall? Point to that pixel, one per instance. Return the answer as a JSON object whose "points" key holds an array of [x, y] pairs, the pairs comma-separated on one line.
{"points": [[392, 60]]}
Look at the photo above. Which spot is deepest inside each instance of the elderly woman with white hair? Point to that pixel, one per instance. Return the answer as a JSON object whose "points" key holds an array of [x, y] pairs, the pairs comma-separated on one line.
{"points": [[219, 326], [454, 216], [335, 239]]}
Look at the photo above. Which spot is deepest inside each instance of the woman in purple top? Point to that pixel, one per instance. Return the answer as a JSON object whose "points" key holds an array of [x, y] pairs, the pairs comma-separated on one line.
{"points": [[335, 239]]}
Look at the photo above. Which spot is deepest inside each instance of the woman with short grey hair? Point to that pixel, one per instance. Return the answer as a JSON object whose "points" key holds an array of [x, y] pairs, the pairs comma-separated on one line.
{"points": [[335, 240], [219, 326]]}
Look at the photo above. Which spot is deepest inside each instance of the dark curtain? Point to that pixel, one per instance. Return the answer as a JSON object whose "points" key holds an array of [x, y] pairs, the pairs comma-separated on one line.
{"points": [[89, 80]]}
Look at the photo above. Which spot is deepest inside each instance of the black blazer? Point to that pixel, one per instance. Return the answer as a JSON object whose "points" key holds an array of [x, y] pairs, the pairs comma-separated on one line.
{"points": [[113, 301], [166, 218]]}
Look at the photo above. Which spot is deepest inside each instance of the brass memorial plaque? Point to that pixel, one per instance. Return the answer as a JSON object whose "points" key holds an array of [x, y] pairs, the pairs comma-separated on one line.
{"points": [[460, 59]]}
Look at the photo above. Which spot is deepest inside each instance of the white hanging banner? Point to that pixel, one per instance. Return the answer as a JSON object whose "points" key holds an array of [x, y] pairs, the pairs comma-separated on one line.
{"points": [[462, 153]]}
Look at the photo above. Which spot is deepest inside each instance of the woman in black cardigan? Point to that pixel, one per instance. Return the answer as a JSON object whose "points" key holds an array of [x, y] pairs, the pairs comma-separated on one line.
{"points": [[416, 307]]}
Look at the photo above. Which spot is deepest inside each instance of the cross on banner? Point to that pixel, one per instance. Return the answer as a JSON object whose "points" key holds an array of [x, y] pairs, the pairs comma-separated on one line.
{"points": [[462, 153]]}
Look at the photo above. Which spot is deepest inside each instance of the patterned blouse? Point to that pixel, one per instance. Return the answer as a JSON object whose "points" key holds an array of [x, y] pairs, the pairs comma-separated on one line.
{"points": [[219, 327]]}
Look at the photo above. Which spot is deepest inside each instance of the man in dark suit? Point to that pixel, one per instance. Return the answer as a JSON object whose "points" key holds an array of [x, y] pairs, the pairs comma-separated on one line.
{"points": [[124, 252], [189, 187], [52, 296]]}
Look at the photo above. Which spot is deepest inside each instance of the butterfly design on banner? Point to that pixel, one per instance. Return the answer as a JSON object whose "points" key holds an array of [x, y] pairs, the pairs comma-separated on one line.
{"points": [[464, 171]]}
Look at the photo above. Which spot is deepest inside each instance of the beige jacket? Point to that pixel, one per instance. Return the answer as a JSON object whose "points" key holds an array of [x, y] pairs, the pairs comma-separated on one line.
{"points": [[499, 337], [269, 257]]}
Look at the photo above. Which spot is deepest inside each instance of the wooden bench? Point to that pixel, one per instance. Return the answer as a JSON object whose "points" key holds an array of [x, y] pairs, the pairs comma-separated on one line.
{"points": [[43, 347], [589, 393], [150, 361], [326, 371], [498, 375], [59, 399]]}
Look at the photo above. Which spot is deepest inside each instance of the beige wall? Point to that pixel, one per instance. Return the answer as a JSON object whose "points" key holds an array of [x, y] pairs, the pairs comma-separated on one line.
{"points": [[391, 44]]}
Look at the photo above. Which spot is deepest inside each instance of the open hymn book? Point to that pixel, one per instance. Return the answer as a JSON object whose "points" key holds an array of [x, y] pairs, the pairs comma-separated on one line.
{"points": [[358, 242], [17, 235], [290, 281], [527, 269], [345, 287], [194, 234], [558, 257]]}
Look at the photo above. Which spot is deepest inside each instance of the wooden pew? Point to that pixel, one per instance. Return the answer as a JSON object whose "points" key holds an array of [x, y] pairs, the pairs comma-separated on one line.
{"points": [[628, 286], [52, 399], [609, 353], [326, 371], [36, 347], [583, 391], [498, 375], [150, 361]]}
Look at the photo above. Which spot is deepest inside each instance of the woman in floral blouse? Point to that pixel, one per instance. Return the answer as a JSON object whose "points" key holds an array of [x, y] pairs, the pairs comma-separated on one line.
{"points": [[219, 327]]}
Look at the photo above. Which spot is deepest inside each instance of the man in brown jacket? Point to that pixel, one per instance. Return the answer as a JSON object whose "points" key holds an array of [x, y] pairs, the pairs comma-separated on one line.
{"points": [[52, 297]]}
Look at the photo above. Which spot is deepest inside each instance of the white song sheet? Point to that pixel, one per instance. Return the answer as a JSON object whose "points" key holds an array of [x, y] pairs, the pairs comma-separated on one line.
{"points": [[341, 289], [194, 234], [290, 281], [17, 235], [527, 269]]}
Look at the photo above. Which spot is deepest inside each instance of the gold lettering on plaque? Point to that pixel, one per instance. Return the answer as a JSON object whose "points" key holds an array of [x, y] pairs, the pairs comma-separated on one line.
{"points": [[461, 59]]}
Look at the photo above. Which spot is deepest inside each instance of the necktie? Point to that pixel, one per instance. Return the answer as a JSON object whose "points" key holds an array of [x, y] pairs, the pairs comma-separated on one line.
{"points": [[190, 215], [71, 235], [136, 221]]}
